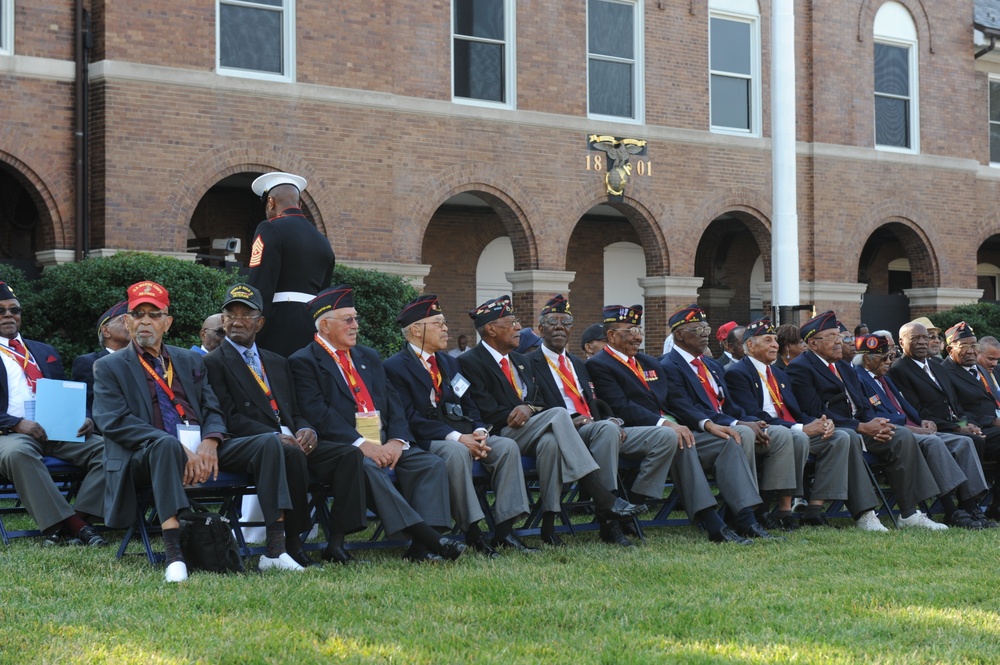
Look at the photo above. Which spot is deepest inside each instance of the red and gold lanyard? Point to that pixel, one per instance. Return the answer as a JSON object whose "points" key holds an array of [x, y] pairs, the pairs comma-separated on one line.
{"points": [[634, 370], [165, 386], [267, 391]]}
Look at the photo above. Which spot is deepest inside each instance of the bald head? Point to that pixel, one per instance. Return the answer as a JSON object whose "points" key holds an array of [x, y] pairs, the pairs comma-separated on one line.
{"points": [[280, 198], [914, 339]]}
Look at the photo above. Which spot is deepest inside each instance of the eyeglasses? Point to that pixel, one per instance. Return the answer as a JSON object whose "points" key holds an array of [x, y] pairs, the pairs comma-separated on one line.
{"points": [[555, 321], [828, 338], [154, 314], [349, 320], [888, 357], [967, 346], [934, 336], [700, 328], [242, 319], [512, 320], [218, 332], [440, 324], [15, 310], [634, 330], [848, 340]]}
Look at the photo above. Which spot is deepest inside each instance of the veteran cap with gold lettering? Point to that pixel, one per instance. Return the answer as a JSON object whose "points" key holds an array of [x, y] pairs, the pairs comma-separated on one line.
{"points": [[245, 294]]}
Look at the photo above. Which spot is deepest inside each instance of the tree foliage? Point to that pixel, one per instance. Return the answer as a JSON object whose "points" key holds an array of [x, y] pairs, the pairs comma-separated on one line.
{"points": [[984, 318], [378, 297]]}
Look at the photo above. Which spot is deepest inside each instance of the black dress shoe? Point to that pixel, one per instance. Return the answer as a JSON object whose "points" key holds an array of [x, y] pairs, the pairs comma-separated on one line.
{"points": [[422, 556], [87, 536], [611, 532], [819, 519], [301, 558], [512, 542], [620, 510], [985, 521], [756, 531], [788, 522], [963, 520], [450, 549], [481, 546], [767, 520], [727, 535], [337, 555], [552, 540]]}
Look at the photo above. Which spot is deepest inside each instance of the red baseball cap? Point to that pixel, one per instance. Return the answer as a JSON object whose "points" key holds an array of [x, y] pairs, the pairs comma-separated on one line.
{"points": [[723, 332], [150, 292]]}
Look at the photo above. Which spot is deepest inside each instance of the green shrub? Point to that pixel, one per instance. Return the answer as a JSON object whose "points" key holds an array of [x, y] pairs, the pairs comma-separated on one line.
{"points": [[67, 300], [378, 297], [984, 318]]}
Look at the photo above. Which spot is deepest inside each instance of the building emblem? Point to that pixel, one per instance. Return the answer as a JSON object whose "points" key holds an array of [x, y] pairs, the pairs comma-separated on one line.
{"points": [[619, 151]]}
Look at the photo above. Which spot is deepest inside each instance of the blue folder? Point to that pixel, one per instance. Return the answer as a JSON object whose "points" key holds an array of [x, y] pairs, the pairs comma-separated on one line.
{"points": [[61, 408]]}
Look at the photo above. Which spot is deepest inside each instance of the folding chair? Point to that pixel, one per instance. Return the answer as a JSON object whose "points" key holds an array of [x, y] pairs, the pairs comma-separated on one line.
{"points": [[876, 470], [67, 478], [321, 503]]}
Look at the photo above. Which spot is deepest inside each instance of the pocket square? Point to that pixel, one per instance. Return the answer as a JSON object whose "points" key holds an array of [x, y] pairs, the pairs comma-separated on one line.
{"points": [[50, 359]]}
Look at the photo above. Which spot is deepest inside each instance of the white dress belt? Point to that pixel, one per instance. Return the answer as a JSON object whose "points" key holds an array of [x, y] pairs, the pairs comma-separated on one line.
{"points": [[292, 296]]}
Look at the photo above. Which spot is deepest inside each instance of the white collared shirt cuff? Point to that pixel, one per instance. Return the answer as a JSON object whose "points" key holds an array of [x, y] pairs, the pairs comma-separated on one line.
{"points": [[453, 436], [797, 427], [701, 424]]}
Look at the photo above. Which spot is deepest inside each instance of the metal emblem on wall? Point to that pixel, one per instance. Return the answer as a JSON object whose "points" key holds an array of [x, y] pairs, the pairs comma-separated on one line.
{"points": [[619, 168]]}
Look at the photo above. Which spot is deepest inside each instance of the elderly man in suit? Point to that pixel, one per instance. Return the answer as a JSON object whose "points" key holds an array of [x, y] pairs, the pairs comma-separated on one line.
{"points": [[112, 335], [778, 460], [825, 384], [164, 430], [255, 391], [563, 382], [343, 391], [444, 420], [23, 442], [211, 334], [635, 387], [764, 391], [951, 457], [505, 389]]}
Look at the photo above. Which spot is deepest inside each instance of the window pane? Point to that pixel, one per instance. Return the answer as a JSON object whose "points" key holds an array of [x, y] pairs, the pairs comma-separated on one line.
{"points": [[479, 18], [479, 70], [609, 25], [994, 101], [611, 88], [892, 70], [250, 39], [994, 142], [892, 122], [731, 102], [730, 46], [269, 3]]}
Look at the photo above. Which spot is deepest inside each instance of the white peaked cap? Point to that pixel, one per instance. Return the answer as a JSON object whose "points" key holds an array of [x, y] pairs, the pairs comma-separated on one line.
{"points": [[268, 181]]}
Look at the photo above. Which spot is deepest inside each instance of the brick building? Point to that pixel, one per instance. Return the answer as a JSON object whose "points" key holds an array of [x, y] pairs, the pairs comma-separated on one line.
{"points": [[449, 141]]}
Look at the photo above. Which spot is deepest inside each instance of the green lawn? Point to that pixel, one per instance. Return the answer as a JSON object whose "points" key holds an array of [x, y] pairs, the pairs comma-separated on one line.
{"points": [[825, 595]]}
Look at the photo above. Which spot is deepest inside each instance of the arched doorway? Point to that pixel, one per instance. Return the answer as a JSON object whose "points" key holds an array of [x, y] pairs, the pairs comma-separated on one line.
{"points": [[893, 260], [20, 222]]}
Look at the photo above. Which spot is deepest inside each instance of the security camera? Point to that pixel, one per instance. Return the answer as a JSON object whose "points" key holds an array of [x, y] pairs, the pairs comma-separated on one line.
{"points": [[229, 245]]}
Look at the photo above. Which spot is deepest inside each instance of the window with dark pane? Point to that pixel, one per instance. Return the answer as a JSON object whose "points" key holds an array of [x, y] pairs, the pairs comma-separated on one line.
{"points": [[995, 121], [251, 35], [731, 60], [479, 50], [892, 95], [611, 58]]}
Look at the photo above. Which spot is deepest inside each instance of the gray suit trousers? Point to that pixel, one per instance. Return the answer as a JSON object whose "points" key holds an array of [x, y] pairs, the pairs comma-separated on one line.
{"points": [[559, 452], [954, 463], [726, 459], [423, 481], [502, 463], [778, 464], [21, 462], [834, 463], [653, 447], [909, 476]]}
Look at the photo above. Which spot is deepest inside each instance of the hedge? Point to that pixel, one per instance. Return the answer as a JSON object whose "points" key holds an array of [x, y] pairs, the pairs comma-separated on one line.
{"points": [[984, 318], [378, 297]]}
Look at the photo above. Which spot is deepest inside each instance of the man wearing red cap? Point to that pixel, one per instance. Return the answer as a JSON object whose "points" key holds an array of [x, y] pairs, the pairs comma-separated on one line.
{"points": [[730, 338], [23, 441], [164, 430]]}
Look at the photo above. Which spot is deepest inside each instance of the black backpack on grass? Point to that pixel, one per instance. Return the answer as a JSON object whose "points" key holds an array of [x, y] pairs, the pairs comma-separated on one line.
{"points": [[207, 541]]}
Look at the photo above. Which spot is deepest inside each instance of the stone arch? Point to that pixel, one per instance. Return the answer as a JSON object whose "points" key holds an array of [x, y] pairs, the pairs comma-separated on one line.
{"points": [[918, 242], [988, 227], [242, 156], [512, 203], [53, 232], [866, 19]]}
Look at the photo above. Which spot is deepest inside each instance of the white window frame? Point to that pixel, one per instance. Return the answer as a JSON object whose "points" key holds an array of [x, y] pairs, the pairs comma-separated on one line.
{"points": [[638, 65], [7, 31], [509, 58], [993, 78], [903, 36], [287, 37], [756, 105]]}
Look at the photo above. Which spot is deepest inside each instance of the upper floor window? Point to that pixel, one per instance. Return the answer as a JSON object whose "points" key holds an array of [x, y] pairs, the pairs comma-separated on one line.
{"points": [[256, 38], [734, 68], [995, 121], [6, 27], [482, 51], [614, 62], [896, 106]]}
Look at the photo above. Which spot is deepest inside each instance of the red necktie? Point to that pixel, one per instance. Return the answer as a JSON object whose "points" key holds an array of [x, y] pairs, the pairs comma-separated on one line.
{"points": [[358, 388], [833, 369], [569, 385], [505, 366], [895, 402], [31, 371], [705, 383], [435, 375], [779, 402]]}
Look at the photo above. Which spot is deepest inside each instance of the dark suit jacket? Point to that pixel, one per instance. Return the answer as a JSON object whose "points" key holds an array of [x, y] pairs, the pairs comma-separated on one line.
{"points": [[83, 370], [628, 398], [937, 404], [491, 390], [244, 405], [48, 362], [880, 402], [123, 412], [819, 391], [973, 397], [327, 402], [413, 385], [747, 391], [548, 392], [689, 401]]}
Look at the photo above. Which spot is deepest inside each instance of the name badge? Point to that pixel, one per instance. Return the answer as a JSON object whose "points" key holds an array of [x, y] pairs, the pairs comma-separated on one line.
{"points": [[997, 411], [460, 384], [29, 409], [189, 436], [369, 425], [286, 431]]}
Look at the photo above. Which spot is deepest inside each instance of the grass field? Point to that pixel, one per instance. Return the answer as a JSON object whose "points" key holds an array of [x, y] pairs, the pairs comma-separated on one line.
{"points": [[824, 596]]}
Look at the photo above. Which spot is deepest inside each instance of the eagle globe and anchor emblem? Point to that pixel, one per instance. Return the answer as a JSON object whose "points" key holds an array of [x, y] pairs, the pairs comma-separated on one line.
{"points": [[619, 151]]}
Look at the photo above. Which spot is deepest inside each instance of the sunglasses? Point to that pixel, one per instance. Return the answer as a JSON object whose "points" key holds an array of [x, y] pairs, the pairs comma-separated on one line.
{"points": [[15, 310]]}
